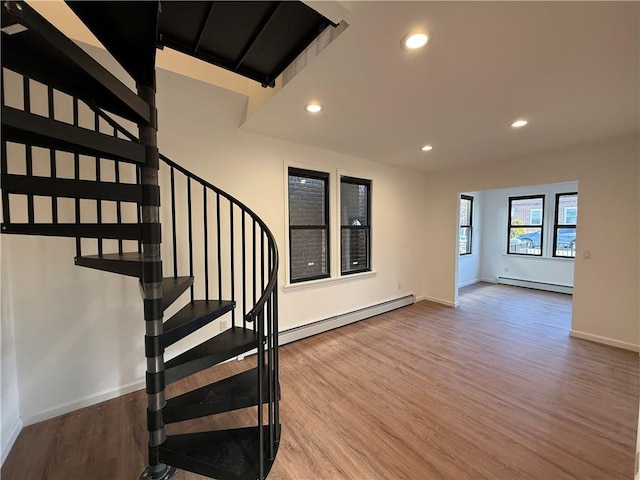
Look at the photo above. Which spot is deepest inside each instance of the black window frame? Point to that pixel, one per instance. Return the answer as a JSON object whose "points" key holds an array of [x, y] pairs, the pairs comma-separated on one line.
{"points": [[557, 225], [468, 226], [315, 175], [367, 227], [541, 226]]}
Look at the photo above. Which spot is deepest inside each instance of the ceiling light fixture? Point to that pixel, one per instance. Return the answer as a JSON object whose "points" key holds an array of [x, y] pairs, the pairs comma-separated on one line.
{"points": [[313, 107], [519, 123], [426, 148], [415, 40]]}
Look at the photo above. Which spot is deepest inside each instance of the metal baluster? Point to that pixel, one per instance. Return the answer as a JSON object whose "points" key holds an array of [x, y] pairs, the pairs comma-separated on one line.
{"points": [[206, 245], [76, 173], [4, 167], [98, 201], [6, 218], [139, 209], [28, 149], [244, 272], [173, 223], [253, 269], [116, 166], [219, 247], [259, 319], [233, 275], [190, 233], [52, 158], [270, 366], [276, 380]]}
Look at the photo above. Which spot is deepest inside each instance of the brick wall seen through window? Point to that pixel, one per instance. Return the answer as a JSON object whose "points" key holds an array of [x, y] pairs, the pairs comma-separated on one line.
{"points": [[308, 224]]}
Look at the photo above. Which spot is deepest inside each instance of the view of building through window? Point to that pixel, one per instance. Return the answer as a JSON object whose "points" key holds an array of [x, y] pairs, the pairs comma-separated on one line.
{"points": [[466, 224], [526, 229], [355, 225], [308, 225], [526, 225], [566, 219]]}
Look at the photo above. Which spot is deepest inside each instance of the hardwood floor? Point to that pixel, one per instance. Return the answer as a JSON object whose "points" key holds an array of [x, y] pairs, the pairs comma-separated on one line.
{"points": [[493, 389]]}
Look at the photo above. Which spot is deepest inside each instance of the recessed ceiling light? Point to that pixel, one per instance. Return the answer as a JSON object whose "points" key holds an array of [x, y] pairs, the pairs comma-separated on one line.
{"points": [[415, 40], [519, 123], [313, 107], [426, 148]]}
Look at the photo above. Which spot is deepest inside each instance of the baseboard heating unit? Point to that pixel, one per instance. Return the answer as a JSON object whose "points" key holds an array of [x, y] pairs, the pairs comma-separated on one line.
{"points": [[550, 287], [303, 331]]}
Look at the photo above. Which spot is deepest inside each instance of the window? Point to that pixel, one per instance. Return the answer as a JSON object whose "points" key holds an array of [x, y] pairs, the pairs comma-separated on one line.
{"points": [[466, 223], [308, 225], [564, 229], [355, 225], [525, 230]]}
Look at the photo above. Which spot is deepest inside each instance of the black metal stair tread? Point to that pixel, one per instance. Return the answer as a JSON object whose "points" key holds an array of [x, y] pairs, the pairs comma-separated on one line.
{"points": [[226, 345], [129, 263], [222, 454], [172, 288], [44, 54], [71, 188], [196, 314], [123, 231], [24, 127], [231, 393]]}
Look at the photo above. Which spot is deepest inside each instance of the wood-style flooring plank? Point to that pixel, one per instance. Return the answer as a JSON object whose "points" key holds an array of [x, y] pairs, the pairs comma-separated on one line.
{"points": [[492, 389]]}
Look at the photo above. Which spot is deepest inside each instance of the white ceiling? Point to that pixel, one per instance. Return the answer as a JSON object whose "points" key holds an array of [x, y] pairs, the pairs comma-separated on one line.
{"points": [[571, 68]]}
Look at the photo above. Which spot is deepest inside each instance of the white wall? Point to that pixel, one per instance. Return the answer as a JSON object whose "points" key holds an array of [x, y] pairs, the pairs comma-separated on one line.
{"points": [[469, 265], [605, 299], [252, 168], [79, 332], [496, 262]]}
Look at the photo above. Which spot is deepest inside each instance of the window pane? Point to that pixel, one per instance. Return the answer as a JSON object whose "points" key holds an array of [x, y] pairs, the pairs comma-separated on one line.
{"points": [[354, 250], [306, 201], [526, 211], [567, 210], [465, 211], [565, 242], [353, 204], [465, 240], [525, 240], [308, 253]]}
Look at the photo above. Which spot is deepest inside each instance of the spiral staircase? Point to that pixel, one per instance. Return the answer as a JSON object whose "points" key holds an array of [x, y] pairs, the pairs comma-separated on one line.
{"points": [[116, 218]]}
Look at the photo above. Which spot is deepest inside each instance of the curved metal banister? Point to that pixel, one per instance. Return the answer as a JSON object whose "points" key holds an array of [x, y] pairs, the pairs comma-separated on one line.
{"points": [[273, 274]]}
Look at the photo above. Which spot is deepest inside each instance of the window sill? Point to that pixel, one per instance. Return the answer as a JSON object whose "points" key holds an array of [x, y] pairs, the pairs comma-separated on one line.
{"points": [[537, 257], [324, 282]]}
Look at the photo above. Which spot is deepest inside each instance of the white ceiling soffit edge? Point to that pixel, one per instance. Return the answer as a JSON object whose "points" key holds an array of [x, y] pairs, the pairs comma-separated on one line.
{"points": [[259, 96], [334, 11]]}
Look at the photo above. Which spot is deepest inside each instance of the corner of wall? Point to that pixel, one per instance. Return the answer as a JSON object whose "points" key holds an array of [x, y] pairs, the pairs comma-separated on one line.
{"points": [[10, 420], [10, 439]]}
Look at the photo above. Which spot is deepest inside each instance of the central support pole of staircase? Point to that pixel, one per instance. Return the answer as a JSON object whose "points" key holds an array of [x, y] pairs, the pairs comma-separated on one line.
{"points": [[152, 290]]}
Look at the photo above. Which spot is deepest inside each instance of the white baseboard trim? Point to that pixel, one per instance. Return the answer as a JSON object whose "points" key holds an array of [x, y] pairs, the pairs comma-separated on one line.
{"points": [[448, 303], [321, 326], [605, 340], [83, 402], [303, 331], [469, 282], [549, 287], [13, 436]]}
